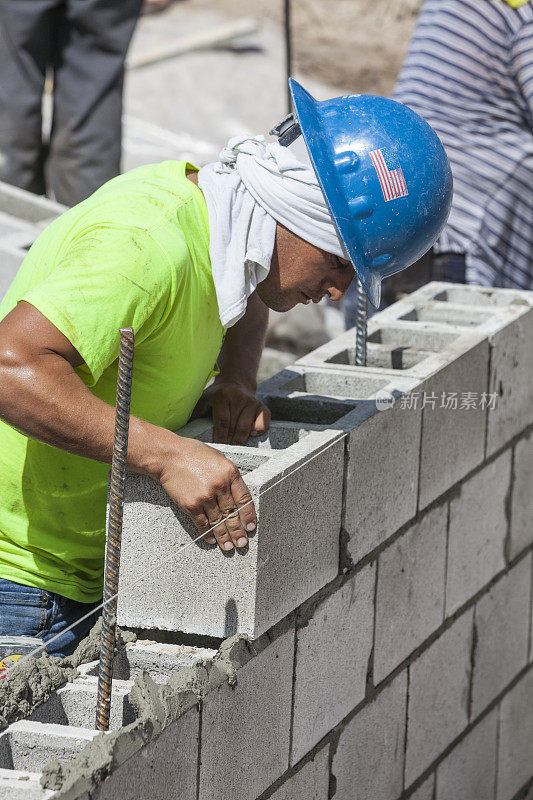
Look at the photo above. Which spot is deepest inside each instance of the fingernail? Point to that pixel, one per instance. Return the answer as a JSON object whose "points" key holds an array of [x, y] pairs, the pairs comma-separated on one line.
{"points": [[242, 542], [250, 526], [211, 540], [228, 546]]}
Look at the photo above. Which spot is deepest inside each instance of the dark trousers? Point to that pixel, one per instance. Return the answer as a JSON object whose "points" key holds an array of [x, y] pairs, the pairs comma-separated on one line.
{"points": [[84, 43]]}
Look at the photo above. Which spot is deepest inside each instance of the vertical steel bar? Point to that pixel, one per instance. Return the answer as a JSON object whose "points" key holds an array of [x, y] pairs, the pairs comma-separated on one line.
{"points": [[288, 51], [114, 527], [361, 314]]}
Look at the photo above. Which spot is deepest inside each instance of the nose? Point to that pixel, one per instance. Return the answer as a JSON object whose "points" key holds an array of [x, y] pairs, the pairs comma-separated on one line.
{"points": [[339, 285]]}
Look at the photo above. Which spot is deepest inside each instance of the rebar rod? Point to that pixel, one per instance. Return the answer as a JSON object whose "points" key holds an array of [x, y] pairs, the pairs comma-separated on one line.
{"points": [[361, 314], [114, 527]]}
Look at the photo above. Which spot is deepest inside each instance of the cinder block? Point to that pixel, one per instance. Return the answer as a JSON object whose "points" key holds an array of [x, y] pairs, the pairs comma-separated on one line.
{"points": [[75, 704], [19, 785], [381, 477], [246, 728], [27, 206], [478, 528], [522, 505], [510, 378], [515, 751], [502, 627], [469, 771], [332, 656], [370, 755], [425, 792], [199, 589], [310, 783], [29, 745], [438, 697], [453, 438], [164, 769], [410, 592]]}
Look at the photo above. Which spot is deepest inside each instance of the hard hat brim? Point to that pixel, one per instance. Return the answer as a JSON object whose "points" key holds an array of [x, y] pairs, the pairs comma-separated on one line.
{"points": [[310, 121]]}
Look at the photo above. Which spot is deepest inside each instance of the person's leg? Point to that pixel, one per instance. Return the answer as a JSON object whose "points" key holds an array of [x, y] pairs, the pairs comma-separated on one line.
{"points": [[88, 76], [27, 611], [26, 40]]}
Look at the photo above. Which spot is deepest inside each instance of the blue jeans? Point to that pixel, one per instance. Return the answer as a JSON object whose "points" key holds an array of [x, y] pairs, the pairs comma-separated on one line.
{"points": [[27, 611]]}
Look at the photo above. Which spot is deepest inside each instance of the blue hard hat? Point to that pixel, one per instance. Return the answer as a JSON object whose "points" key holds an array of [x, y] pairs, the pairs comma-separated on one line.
{"points": [[385, 176]]}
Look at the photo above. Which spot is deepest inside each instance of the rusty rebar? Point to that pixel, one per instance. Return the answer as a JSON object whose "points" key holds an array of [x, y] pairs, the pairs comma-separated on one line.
{"points": [[114, 527], [361, 315]]}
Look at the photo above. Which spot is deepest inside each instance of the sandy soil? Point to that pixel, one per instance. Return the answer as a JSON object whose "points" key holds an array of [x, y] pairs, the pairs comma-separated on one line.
{"points": [[355, 45]]}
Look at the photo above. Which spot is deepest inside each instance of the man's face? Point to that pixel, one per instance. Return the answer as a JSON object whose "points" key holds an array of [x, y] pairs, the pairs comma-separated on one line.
{"points": [[301, 273]]}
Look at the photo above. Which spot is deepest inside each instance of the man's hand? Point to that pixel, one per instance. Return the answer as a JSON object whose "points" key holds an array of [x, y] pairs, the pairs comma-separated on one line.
{"points": [[209, 488], [237, 413]]}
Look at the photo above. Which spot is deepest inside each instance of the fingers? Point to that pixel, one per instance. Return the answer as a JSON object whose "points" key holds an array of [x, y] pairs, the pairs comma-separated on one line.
{"points": [[262, 421], [244, 423], [225, 523], [202, 523], [243, 500]]}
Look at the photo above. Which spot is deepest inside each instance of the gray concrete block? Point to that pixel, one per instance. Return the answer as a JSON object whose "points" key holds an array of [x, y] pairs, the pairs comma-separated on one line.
{"points": [[381, 477], [27, 206], [75, 704], [165, 769], [510, 378], [475, 296], [369, 759], [410, 591], [522, 501], [19, 785], [515, 751], [246, 728], [438, 697], [310, 783], [425, 792], [453, 439], [293, 553], [469, 772], [332, 656], [160, 660], [478, 528], [29, 745], [502, 627]]}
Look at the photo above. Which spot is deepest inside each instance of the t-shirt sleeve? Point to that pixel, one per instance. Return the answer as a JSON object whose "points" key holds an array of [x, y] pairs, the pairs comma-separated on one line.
{"points": [[108, 278], [522, 65]]}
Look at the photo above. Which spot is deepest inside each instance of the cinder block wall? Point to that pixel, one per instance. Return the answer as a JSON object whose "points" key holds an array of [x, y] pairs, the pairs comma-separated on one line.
{"points": [[388, 588]]}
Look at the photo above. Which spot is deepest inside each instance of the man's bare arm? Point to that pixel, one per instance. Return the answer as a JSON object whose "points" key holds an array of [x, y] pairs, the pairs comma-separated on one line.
{"points": [[237, 413], [42, 395]]}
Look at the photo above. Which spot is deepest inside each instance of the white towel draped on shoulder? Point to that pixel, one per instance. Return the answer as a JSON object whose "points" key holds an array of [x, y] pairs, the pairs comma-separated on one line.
{"points": [[253, 186]]}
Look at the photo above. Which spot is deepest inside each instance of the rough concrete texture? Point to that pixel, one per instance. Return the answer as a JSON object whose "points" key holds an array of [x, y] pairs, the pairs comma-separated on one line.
{"points": [[425, 792], [246, 727], [522, 502], [29, 745], [453, 439], [438, 696], [381, 477], [74, 704], [470, 769], [163, 770], [515, 747], [510, 377], [370, 754], [202, 590], [502, 631], [410, 591], [33, 680], [477, 532], [332, 655], [310, 783], [21, 785], [156, 707]]}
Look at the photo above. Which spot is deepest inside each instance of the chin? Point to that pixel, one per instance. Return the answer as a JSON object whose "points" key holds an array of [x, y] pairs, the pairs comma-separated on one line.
{"points": [[276, 302]]}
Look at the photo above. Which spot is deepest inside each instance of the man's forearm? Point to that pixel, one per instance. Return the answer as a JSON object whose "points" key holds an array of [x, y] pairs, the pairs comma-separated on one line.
{"points": [[243, 345]]}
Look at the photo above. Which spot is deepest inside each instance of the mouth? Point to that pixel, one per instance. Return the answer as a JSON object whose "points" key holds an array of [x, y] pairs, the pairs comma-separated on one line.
{"points": [[305, 298]]}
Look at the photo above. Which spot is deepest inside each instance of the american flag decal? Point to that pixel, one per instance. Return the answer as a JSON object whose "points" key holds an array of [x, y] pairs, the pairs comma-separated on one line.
{"points": [[390, 174]]}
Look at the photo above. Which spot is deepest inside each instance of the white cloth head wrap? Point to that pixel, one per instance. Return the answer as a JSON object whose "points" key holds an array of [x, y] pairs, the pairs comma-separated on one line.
{"points": [[252, 186]]}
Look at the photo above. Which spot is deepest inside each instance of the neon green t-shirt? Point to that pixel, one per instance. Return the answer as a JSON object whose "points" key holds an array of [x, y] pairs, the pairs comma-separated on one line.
{"points": [[135, 253]]}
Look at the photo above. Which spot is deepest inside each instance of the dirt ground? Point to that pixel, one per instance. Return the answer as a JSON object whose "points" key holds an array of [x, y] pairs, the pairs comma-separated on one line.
{"points": [[355, 45]]}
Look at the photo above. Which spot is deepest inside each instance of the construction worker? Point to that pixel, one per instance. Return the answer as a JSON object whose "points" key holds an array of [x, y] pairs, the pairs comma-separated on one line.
{"points": [[82, 44], [192, 260], [469, 73]]}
